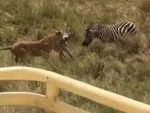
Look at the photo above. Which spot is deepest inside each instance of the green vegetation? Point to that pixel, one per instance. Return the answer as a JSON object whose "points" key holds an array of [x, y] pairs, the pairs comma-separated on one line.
{"points": [[121, 69]]}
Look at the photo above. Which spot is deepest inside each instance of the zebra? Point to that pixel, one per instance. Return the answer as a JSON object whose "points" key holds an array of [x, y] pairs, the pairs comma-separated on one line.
{"points": [[109, 33], [61, 46]]}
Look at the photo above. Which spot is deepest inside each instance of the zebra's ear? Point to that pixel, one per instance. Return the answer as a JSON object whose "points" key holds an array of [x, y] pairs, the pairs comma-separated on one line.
{"points": [[68, 29]]}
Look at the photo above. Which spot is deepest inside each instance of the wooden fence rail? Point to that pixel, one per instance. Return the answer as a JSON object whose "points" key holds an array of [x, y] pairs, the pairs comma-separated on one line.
{"points": [[55, 82]]}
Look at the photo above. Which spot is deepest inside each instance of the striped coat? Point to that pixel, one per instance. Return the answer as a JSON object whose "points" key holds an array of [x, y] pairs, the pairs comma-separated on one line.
{"points": [[109, 33]]}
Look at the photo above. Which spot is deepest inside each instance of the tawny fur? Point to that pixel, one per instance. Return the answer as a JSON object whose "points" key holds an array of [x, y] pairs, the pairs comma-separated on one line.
{"points": [[61, 46], [34, 48]]}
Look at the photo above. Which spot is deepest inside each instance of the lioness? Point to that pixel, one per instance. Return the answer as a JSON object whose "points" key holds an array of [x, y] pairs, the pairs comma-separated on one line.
{"points": [[35, 48]]}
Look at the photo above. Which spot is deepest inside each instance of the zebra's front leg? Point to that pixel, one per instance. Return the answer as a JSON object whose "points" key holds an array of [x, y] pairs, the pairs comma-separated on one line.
{"points": [[62, 56], [67, 51]]}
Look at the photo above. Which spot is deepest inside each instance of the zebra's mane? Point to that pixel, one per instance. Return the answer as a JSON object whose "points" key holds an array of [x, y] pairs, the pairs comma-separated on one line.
{"points": [[99, 27]]}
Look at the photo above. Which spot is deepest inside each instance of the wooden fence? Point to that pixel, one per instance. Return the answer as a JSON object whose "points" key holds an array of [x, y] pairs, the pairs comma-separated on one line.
{"points": [[55, 82]]}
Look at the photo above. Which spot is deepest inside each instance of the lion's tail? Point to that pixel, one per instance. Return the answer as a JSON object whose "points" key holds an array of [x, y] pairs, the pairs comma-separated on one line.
{"points": [[6, 48]]}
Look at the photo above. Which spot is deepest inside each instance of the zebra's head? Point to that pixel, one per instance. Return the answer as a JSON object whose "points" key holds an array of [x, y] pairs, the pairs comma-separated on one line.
{"points": [[89, 35], [68, 36]]}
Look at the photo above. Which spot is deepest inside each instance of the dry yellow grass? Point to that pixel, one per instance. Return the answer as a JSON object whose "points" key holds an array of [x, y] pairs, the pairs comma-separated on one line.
{"points": [[121, 69]]}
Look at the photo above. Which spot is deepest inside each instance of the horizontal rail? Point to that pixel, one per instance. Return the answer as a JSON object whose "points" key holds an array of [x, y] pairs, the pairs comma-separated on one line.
{"points": [[33, 99], [82, 89], [23, 73]]}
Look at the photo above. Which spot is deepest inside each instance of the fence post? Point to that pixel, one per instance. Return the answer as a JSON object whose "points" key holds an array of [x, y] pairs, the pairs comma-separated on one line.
{"points": [[52, 91]]}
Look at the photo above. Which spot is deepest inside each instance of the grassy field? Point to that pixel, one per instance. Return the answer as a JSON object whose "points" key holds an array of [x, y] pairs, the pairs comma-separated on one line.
{"points": [[123, 69]]}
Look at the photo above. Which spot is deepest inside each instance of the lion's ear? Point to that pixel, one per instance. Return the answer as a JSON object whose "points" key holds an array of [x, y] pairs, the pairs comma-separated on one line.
{"points": [[85, 29], [58, 32]]}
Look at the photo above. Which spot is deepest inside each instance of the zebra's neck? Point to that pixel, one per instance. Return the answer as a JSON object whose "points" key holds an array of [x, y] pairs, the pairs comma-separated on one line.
{"points": [[98, 32]]}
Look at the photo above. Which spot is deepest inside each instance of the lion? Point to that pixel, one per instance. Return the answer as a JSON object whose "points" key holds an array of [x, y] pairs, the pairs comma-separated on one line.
{"points": [[61, 46], [35, 48]]}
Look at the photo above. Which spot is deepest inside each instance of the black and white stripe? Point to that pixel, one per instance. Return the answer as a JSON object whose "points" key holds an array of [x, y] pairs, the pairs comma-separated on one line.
{"points": [[109, 33]]}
